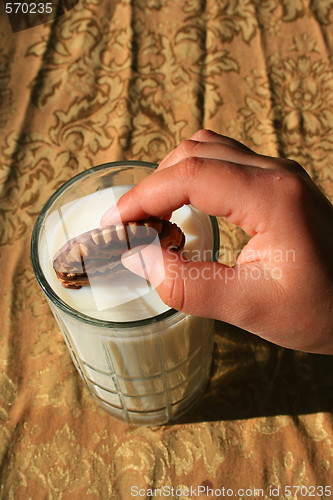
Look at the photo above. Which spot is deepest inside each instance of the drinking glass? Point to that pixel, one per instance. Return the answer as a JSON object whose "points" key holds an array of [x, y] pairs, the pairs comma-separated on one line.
{"points": [[147, 371]]}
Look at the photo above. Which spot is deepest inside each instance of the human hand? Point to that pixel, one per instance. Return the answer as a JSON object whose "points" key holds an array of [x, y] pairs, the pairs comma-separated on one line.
{"points": [[289, 302]]}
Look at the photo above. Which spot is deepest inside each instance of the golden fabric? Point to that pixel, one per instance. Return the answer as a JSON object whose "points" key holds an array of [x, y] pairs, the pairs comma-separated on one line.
{"points": [[129, 80]]}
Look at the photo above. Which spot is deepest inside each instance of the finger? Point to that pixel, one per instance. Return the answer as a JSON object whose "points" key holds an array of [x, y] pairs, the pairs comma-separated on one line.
{"points": [[218, 151], [205, 135], [208, 136], [216, 187], [202, 136], [208, 144], [182, 284]]}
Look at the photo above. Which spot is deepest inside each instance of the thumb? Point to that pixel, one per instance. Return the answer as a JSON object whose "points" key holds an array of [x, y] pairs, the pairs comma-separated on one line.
{"points": [[208, 289]]}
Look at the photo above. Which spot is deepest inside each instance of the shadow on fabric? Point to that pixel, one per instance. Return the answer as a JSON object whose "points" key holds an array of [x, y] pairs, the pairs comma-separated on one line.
{"points": [[254, 378]]}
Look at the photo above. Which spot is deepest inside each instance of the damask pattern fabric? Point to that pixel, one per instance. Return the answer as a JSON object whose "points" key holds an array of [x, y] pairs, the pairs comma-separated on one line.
{"points": [[114, 80]]}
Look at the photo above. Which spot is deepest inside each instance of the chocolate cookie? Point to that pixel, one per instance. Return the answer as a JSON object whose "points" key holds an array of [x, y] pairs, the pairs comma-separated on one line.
{"points": [[97, 253]]}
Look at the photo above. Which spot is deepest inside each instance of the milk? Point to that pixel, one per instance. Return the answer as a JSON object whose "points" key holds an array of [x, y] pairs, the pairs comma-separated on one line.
{"points": [[145, 372], [126, 297]]}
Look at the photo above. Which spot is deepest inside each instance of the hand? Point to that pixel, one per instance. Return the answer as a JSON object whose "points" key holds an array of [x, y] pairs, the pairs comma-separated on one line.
{"points": [[288, 301]]}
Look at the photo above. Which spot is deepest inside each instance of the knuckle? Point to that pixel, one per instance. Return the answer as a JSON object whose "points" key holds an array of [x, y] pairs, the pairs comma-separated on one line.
{"points": [[189, 169], [187, 146], [173, 292], [293, 187], [203, 135]]}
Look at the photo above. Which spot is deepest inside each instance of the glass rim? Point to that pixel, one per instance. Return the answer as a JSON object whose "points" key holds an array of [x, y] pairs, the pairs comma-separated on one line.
{"points": [[46, 287]]}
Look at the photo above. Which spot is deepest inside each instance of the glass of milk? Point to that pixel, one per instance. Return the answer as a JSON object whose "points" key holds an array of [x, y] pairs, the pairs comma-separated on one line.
{"points": [[142, 361]]}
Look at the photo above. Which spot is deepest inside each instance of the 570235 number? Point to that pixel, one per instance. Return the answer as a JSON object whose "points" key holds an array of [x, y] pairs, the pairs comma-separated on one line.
{"points": [[28, 8], [308, 491]]}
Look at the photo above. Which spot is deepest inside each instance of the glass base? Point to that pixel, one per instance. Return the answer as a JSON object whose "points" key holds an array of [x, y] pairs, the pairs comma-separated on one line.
{"points": [[158, 417]]}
